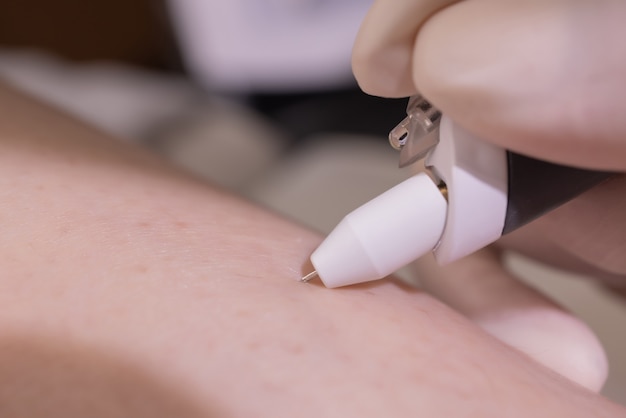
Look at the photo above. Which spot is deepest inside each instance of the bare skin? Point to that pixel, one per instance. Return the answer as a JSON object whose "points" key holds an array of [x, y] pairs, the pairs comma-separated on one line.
{"points": [[129, 289]]}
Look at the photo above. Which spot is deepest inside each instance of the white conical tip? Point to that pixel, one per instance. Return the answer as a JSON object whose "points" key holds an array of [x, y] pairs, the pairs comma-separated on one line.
{"points": [[383, 235]]}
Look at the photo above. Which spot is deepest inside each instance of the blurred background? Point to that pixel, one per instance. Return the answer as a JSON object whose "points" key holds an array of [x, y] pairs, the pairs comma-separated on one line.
{"points": [[254, 95]]}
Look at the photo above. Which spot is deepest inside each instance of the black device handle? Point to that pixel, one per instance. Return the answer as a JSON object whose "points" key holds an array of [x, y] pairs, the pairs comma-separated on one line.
{"points": [[536, 187]]}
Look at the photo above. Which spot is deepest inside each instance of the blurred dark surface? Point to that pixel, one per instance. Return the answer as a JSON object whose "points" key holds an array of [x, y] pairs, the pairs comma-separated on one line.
{"points": [[347, 111], [135, 32]]}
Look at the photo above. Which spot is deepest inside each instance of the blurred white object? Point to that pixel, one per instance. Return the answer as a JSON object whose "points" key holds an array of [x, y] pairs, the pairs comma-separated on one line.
{"points": [[222, 142], [123, 100], [268, 45], [216, 139]]}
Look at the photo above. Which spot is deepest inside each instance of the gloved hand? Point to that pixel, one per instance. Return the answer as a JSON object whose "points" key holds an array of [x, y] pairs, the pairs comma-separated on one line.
{"points": [[544, 78]]}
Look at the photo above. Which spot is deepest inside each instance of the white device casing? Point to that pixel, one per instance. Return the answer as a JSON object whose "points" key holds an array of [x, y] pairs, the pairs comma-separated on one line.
{"points": [[413, 217], [476, 175]]}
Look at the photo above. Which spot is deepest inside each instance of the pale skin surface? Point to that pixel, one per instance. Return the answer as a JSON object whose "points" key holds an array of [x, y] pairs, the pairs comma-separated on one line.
{"points": [[541, 77], [130, 289]]}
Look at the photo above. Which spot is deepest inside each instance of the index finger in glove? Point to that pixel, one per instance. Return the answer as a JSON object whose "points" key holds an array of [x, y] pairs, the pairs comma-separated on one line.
{"points": [[383, 51], [543, 78]]}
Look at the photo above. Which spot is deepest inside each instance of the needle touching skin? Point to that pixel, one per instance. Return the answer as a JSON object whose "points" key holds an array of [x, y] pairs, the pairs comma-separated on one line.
{"points": [[309, 277]]}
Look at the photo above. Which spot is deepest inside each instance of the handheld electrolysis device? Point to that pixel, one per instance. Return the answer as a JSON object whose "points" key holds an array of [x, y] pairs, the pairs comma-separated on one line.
{"points": [[472, 194]]}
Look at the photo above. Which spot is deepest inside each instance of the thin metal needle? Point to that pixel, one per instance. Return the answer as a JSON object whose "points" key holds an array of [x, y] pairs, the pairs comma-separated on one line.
{"points": [[309, 277]]}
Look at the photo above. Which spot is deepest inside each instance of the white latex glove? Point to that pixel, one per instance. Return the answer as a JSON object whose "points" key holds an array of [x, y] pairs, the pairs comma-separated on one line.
{"points": [[541, 77], [545, 78]]}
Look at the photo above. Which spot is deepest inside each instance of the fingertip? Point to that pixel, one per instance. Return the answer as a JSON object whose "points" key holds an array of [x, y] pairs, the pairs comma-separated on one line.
{"points": [[383, 72], [516, 314], [383, 49], [555, 339]]}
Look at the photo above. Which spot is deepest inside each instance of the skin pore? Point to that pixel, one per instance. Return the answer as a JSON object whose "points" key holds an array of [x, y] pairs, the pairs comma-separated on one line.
{"points": [[131, 289]]}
